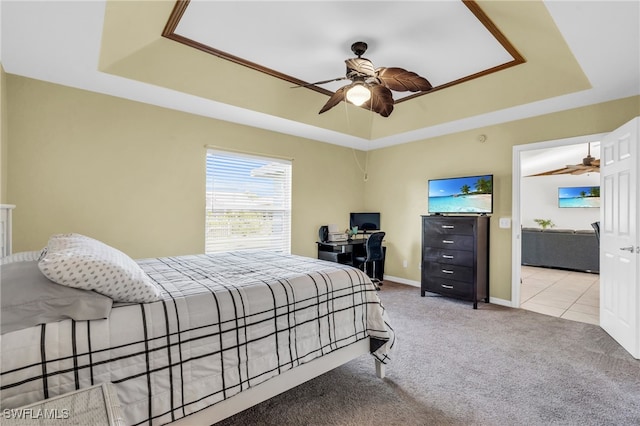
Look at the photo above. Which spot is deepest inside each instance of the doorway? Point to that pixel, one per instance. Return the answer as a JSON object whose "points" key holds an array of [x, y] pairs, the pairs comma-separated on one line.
{"points": [[560, 293], [518, 197]]}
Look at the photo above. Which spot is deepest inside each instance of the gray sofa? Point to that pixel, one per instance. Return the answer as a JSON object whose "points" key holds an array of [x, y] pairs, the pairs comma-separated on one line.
{"points": [[561, 248]]}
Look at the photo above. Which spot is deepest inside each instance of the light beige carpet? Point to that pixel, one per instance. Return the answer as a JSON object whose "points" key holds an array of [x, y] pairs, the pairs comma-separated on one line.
{"points": [[457, 366]]}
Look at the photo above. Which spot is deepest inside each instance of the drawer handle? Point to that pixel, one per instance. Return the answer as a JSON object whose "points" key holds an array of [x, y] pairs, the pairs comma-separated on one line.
{"points": [[446, 286], [446, 271], [447, 256], [448, 226], [447, 241]]}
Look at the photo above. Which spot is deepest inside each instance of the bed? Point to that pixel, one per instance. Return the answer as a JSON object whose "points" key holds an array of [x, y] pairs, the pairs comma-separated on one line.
{"points": [[213, 334]]}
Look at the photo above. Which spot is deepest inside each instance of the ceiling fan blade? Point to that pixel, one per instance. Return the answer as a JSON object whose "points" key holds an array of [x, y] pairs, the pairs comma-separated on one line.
{"points": [[579, 169], [401, 80], [319, 82], [564, 171], [570, 169], [586, 169], [381, 100], [335, 99], [359, 67], [561, 171]]}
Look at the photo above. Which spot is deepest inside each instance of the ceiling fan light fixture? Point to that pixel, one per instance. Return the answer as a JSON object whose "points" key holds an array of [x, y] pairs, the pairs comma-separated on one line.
{"points": [[371, 87], [588, 160], [358, 94]]}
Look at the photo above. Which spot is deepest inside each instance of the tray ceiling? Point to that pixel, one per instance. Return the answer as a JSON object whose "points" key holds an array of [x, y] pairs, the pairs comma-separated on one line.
{"points": [[450, 43], [577, 54]]}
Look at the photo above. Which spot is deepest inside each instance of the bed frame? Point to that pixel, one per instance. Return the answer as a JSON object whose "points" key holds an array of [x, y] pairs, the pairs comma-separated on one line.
{"points": [[5, 229], [281, 383]]}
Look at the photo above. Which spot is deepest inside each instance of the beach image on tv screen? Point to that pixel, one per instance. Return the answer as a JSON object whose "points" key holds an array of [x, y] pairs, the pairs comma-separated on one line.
{"points": [[579, 196], [461, 195]]}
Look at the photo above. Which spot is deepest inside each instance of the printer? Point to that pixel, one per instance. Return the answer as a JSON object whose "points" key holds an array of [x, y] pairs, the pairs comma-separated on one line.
{"points": [[335, 235]]}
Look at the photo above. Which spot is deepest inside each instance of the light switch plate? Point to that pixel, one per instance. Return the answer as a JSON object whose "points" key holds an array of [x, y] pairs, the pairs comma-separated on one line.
{"points": [[505, 222]]}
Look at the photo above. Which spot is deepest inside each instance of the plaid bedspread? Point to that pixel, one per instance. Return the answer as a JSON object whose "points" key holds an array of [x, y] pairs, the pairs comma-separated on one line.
{"points": [[226, 322]]}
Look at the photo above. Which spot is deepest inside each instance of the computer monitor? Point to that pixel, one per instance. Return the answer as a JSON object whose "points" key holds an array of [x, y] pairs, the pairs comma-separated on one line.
{"points": [[365, 221]]}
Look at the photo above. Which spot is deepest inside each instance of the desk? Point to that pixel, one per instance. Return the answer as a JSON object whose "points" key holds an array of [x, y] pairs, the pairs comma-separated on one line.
{"points": [[345, 251]]}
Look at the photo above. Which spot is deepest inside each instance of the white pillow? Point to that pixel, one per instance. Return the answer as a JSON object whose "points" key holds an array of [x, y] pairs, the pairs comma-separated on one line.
{"points": [[78, 261], [23, 256]]}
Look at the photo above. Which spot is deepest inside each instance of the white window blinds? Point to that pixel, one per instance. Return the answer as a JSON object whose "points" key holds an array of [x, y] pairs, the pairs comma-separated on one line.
{"points": [[248, 203]]}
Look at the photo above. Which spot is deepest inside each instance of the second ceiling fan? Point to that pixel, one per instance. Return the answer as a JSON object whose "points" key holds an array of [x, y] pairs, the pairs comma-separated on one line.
{"points": [[370, 87], [589, 164]]}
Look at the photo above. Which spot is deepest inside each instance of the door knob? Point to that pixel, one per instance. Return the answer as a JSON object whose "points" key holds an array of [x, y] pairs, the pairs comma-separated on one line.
{"points": [[630, 248]]}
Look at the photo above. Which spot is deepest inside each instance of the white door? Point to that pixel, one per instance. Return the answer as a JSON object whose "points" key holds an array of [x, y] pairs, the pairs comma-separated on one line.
{"points": [[619, 237]]}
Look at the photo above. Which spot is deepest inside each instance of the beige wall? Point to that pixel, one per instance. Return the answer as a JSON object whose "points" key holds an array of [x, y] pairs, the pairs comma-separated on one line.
{"points": [[133, 175], [397, 184]]}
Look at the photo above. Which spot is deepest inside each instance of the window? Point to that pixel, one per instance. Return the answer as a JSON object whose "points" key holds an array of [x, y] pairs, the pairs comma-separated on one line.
{"points": [[248, 203]]}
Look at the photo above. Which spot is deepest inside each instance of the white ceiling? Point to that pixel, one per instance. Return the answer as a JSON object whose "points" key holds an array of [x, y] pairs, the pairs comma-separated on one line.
{"points": [[60, 41], [443, 41]]}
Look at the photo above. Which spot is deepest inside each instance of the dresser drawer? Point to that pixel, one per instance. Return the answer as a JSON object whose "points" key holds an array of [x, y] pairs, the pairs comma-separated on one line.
{"points": [[449, 272], [451, 242], [454, 257], [442, 226], [448, 287]]}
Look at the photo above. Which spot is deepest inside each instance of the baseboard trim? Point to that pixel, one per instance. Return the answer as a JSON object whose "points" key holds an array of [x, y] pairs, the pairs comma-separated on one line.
{"points": [[501, 302], [402, 281], [494, 300]]}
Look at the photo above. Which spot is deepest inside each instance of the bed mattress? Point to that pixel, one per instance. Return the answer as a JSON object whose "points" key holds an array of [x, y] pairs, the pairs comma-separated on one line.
{"points": [[225, 322]]}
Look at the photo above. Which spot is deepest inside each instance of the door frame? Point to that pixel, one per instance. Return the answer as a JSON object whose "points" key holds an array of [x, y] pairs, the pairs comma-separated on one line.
{"points": [[516, 205]]}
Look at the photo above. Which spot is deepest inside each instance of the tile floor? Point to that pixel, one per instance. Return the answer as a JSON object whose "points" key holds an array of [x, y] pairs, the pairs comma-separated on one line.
{"points": [[565, 294]]}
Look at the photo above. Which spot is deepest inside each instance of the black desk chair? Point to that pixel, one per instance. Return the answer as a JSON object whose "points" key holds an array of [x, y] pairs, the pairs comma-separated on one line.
{"points": [[375, 253]]}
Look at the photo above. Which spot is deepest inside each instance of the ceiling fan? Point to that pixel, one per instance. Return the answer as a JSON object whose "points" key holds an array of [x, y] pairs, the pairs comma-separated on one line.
{"points": [[589, 164], [370, 87]]}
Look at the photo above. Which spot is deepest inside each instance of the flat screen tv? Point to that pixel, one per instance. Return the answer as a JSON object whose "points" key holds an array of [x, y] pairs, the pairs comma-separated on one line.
{"points": [[579, 196], [468, 194], [365, 221]]}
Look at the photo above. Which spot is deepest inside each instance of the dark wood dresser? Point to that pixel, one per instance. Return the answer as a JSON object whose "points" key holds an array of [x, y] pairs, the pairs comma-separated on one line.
{"points": [[455, 257]]}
